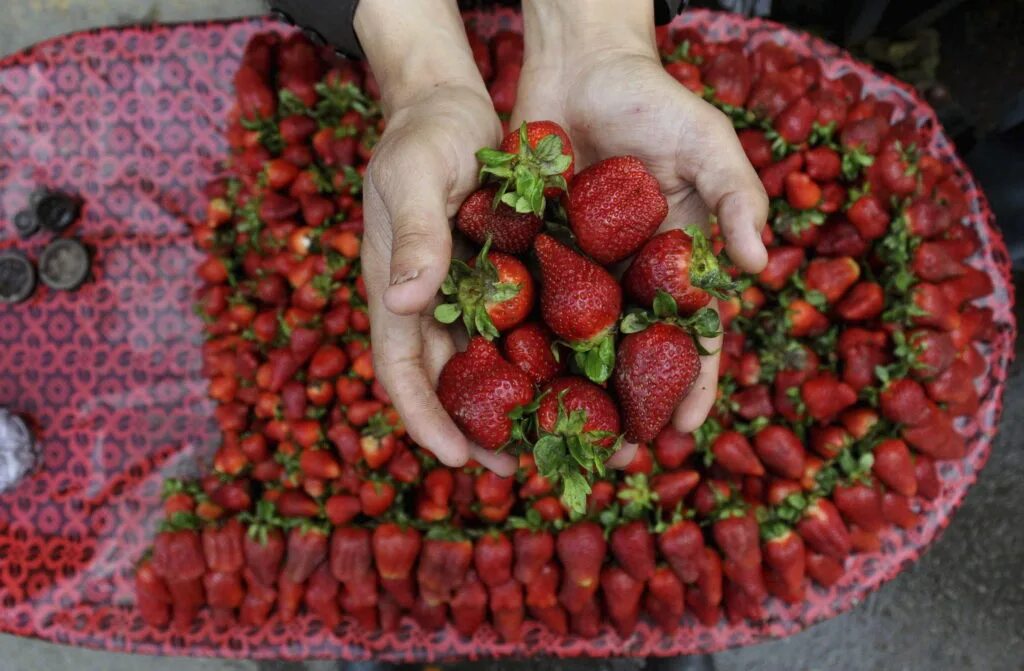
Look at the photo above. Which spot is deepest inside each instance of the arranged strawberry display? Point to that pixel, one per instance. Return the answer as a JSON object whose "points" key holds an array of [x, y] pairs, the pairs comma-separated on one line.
{"points": [[843, 368]]}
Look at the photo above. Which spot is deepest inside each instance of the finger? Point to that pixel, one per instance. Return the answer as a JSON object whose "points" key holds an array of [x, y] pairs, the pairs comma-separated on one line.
{"points": [[694, 409], [438, 347], [623, 456], [501, 463], [398, 360], [731, 188], [412, 191]]}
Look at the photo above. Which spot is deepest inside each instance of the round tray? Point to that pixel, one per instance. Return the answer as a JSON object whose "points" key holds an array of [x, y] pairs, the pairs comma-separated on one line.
{"points": [[132, 119]]}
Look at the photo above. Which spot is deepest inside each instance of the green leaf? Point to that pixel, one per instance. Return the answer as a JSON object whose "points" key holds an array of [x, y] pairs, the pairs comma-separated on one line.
{"points": [[494, 157], [575, 489], [634, 322], [664, 305], [597, 363], [549, 454], [705, 323], [548, 149]]}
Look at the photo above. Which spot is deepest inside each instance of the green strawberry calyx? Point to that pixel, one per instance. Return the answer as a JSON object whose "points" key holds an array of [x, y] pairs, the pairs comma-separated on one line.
{"points": [[703, 323], [470, 290], [595, 357], [523, 177], [705, 271], [562, 452]]}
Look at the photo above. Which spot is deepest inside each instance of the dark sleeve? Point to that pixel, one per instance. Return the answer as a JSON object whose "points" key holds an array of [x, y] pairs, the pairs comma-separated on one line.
{"points": [[334, 22]]}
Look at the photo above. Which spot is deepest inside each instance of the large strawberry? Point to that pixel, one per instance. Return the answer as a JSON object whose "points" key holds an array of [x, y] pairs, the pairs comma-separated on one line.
{"points": [[532, 163], [657, 365], [578, 424], [614, 206], [510, 231], [581, 302], [680, 264], [484, 394], [492, 293]]}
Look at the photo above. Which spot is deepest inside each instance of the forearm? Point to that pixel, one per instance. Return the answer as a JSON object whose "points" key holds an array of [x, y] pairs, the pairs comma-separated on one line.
{"points": [[415, 47], [558, 32]]}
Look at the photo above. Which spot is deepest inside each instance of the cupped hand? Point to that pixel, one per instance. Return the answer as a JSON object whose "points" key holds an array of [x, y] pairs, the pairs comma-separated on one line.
{"points": [[622, 102], [421, 171]]}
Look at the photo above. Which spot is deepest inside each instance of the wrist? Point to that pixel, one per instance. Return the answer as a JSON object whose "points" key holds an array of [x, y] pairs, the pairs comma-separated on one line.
{"points": [[415, 48], [565, 34]]}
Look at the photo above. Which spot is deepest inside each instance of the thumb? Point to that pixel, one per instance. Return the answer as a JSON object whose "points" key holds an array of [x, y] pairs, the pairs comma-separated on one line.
{"points": [[421, 241]]}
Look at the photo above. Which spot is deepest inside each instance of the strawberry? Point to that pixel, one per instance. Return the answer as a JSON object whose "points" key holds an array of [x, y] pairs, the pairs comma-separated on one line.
{"points": [[863, 301], [376, 496], [264, 543], [682, 265], [803, 319], [681, 544], [581, 550], [705, 595], [869, 216], [444, 561], [894, 467], [823, 530], [529, 348], [493, 293], [756, 146], [933, 307], [773, 177], [430, 616], [896, 510], [507, 613], [632, 545], [972, 284], [585, 621], [307, 549], [482, 392], [151, 596], [657, 366], [350, 554], [542, 599], [614, 206], [929, 486], [825, 397], [795, 122], [622, 592], [784, 554], [740, 604], [665, 601], [531, 163], [831, 277], [823, 569], [802, 192], [926, 218], [903, 401], [492, 558], [578, 423], [533, 550], [581, 302], [321, 597], [934, 262], [783, 262], [672, 449], [860, 504], [822, 164], [732, 451], [510, 232], [728, 73], [780, 451]]}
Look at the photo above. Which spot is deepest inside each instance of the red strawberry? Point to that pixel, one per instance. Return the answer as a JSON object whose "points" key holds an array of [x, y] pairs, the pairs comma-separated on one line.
{"points": [[507, 612], [529, 348], [972, 284], [783, 262], [825, 397], [581, 550], [753, 402], [803, 319], [732, 451], [896, 510], [350, 554], [682, 265], [863, 301], [321, 597], [928, 484], [773, 177], [926, 218], [622, 594], [802, 192], [632, 545], [376, 496], [613, 207], [795, 122], [542, 600], [479, 390], [728, 73], [672, 449], [825, 570], [533, 162], [444, 561], [934, 308], [757, 147], [151, 596], [655, 369], [934, 262], [822, 164], [903, 401], [509, 231], [860, 504], [785, 555], [681, 544], [780, 451], [832, 276], [581, 302], [492, 558], [894, 466], [307, 549], [869, 216], [665, 601], [823, 530], [533, 550], [492, 294]]}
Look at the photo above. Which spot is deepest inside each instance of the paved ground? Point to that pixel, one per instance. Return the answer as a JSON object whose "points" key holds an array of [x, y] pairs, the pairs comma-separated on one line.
{"points": [[960, 607]]}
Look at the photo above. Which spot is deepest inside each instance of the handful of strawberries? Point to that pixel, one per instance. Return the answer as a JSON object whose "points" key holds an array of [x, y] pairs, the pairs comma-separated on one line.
{"points": [[843, 367], [547, 392]]}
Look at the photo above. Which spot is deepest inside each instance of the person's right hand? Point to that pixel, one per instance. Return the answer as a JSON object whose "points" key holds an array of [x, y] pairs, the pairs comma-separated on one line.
{"points": [[421, 171]]}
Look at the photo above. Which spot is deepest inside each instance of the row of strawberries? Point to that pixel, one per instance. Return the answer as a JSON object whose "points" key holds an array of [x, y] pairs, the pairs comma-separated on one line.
{"points": [[737, 511]]}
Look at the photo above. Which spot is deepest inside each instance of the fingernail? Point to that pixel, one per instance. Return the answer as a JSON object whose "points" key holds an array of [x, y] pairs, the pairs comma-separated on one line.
{"points": [[403, 277]]}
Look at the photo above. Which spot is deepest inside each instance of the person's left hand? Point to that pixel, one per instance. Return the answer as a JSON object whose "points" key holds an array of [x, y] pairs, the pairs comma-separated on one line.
{"points": [[620, 101]]}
